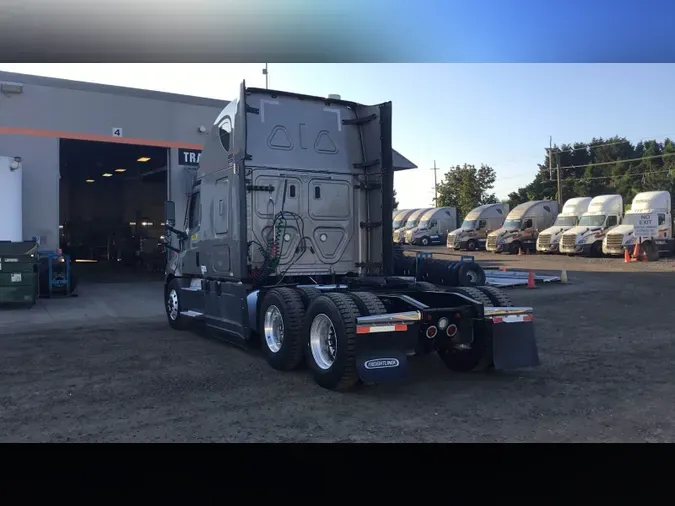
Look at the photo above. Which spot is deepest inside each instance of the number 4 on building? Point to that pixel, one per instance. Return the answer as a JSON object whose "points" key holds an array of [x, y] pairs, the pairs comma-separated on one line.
{"points": [[117, 132]]}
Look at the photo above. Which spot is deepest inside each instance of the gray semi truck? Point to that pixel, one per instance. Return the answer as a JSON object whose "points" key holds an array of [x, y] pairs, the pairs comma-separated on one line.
{"points": [[287, 243]]}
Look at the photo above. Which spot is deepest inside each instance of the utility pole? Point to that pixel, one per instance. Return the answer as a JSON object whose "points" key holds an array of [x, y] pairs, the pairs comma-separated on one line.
{"points": [[550, 157], [435, 169], [267, 77], [559, 185]]}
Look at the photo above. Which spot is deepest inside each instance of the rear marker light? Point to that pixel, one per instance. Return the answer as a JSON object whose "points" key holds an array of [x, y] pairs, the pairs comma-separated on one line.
{"points": [[431, 332], [443, 323], [452, 330]]}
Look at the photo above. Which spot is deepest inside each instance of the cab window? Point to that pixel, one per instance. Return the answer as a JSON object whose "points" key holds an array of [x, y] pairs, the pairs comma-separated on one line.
{"points": [[482, 224], [433, 223], [527, 224], [194, 211], [662, 218], [612, 221]]}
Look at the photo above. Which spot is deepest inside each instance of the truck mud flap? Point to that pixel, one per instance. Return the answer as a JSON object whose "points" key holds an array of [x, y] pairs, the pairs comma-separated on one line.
{"points": [[381, 354], [514, 343]]}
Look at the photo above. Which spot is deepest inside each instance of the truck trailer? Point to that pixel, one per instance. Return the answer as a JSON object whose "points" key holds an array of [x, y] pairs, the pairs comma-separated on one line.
{"points": [[647, 207], [521, 227], [549, 239], [604, 213], [482, 220], [287, 243]]}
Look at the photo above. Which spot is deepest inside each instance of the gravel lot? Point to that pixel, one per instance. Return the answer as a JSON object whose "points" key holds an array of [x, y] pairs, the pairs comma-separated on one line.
{"points": [[606, 375]]}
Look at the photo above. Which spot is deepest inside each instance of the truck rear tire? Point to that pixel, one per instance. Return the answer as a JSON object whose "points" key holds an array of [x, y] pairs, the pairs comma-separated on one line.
{"points": [[473, 293], [331, 344], [368, 303], [173, 307], [281, 327], [479, 357], [307, 294], [496, 296], [426, 286]]}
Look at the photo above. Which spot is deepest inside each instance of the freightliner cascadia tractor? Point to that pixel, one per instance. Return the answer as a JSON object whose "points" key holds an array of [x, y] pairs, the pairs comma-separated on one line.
{"points": [[287, 243]]}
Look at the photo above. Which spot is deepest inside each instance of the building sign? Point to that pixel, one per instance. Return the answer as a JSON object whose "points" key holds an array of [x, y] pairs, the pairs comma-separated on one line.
{"points": [[189, 157]]}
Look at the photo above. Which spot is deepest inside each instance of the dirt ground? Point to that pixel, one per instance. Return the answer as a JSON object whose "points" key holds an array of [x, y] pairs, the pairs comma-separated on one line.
{"points": [[607, 371]]}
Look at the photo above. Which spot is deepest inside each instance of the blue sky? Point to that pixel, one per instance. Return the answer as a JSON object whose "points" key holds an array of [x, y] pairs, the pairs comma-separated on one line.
{"points": [[498, 114]]}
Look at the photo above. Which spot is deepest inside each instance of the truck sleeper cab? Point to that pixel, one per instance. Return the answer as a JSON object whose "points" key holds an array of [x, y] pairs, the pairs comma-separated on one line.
{"points": [[549, 239], [654, 206], [398, 225], [472, 235], [411, 225], [264, 260], [434, 227], [604, 213], [521, 227]]}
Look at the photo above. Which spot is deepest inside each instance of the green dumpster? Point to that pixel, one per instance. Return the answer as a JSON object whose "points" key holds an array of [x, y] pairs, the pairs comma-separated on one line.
{"points": [[18, 272]]}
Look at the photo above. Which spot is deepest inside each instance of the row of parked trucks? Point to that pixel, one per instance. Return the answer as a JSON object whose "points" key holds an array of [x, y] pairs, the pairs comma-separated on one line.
{"points": [[584, 226]]}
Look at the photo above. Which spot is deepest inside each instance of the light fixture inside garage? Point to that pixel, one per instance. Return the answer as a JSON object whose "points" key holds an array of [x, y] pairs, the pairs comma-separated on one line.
{"points": [[106, 174], [89, 181], [143, 159], [120, 170]]}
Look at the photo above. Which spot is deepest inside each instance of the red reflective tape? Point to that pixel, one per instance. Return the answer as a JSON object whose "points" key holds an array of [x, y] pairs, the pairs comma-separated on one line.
{"points": [[400, 327]]}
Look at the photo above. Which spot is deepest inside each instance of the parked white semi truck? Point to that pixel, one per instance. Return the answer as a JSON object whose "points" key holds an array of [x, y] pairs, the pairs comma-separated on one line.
{"points": [[398, 225], [549, 239], [434, 227], [410, 225], [522, 226], [482, 220], [604, 213], [649, 210]]}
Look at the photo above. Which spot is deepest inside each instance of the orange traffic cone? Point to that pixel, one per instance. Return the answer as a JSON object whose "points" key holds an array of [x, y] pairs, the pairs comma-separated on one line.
{"points": [[530, 281], [503, 268], [636, 253], [520, 251], [626, 256]]}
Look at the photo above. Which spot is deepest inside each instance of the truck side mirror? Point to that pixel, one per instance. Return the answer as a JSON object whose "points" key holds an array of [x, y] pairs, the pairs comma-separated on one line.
{"points": [[170, 212]]}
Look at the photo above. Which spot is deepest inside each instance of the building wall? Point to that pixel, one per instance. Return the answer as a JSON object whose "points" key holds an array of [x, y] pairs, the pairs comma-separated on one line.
{"points": [[32, 122]]}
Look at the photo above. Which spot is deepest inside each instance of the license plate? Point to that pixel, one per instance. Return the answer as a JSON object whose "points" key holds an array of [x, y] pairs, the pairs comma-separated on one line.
{"points": [[16, 278]]}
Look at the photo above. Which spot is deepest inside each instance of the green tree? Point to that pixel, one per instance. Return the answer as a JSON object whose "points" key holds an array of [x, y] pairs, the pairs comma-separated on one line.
{"points": [[602, 166], [466, 187], [395, 202]]}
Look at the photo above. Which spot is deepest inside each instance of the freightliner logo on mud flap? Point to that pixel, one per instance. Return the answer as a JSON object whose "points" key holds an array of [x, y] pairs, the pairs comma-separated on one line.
{"points": [[382, 363]]}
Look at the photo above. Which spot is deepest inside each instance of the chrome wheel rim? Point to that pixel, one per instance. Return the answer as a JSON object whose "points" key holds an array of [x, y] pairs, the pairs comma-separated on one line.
{"points": [[473, 277], [323, 341], [172, 305], [274, 329], [425, 242]]}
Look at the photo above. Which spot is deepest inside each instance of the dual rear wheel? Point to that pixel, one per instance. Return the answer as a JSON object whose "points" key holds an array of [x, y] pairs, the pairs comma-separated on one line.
{"points": [[305, 326], [301, 326]]}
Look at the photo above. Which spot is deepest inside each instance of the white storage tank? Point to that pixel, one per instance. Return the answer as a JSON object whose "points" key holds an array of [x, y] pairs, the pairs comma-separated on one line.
{"points": [[11, 206]]}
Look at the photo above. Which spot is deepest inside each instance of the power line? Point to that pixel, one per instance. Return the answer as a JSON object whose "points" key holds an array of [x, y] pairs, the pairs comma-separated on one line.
{"points": [[626, 160], [614, 143], [609, 177], [650, 157]]}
